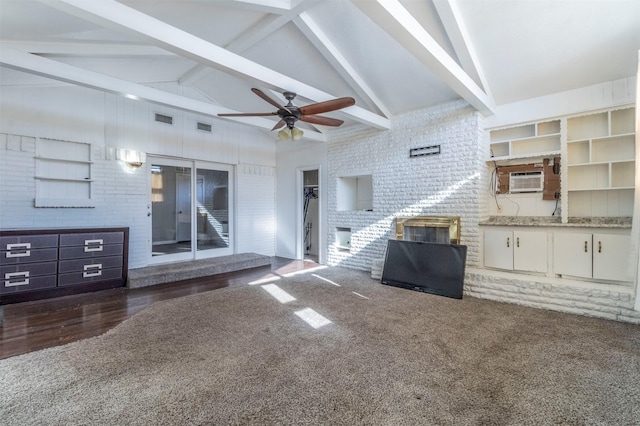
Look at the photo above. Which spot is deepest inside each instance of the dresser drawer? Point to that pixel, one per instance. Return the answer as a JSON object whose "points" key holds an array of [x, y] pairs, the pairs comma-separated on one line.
{"points": [[91, 240], [19, 278], [79, 252], [27, 248], [32, 241], [76, 265], [34, 269], [28, 256], [91, 274]]}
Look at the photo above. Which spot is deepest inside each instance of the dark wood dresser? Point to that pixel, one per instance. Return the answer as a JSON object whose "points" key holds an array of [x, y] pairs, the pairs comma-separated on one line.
{"points": [[43, 263]]}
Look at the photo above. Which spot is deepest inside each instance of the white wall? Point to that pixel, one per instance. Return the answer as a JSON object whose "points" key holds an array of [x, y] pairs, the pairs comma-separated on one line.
{"points": [[446, 184], [122, 197], [292, 159], [599, 96]]}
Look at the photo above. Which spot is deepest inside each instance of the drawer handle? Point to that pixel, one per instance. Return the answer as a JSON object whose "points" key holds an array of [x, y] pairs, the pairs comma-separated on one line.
{"points": [[90, 272], [518, 242], [586, 247], [10, 276], [93, 245], [22, 250], [599, 246], [508, 242]]}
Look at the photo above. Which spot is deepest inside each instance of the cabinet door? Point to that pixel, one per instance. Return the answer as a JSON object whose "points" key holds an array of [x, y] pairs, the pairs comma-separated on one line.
{"points": [[530, 251], [572, 254], [498, 249], [611, 257]]}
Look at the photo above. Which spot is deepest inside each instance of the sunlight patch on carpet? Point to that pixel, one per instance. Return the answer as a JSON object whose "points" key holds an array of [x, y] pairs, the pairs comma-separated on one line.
{"points": [[264, 280], [304, 271], [325, 279], [279, 294], [313, 318], [358, 294]]}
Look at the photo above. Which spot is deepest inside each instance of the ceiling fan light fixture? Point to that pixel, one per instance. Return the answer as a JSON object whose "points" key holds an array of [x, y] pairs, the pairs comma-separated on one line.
{"points": [[285, 134], [296, 134]]}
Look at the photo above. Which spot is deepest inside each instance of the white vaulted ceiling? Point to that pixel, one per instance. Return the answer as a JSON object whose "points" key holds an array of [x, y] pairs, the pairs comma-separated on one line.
{"points": [[392, 56]]}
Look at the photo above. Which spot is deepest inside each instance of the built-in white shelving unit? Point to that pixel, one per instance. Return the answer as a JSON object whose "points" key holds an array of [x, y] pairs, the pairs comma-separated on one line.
{"points": [[598, 173], [530, 140], [601, 163]]}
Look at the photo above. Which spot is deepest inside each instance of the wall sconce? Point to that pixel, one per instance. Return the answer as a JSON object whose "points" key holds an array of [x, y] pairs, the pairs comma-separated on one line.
{"points": [[133, 160]]}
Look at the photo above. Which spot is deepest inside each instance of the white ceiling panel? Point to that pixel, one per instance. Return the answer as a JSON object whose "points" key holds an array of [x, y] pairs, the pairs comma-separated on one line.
{"points": [[334, 48]]}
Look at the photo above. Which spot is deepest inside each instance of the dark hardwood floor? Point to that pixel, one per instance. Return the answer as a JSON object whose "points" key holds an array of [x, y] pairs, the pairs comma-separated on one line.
{"points": [[41, 324]]}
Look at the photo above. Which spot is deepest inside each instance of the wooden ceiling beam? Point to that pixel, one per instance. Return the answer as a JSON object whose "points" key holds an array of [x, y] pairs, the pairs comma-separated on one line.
{"points": [[397, 21], [86, 49], [55, 70], [262, 29], [332, 54], [456, 29], [117, 16]]}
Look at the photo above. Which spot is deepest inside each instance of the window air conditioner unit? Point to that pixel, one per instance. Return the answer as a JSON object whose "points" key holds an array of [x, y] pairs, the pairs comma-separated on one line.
{"points": [[525, 182]]}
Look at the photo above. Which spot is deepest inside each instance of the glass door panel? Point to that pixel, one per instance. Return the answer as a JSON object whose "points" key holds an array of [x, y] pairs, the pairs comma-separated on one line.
{"points": [[171, 200], [191, 213], [213, 210]]}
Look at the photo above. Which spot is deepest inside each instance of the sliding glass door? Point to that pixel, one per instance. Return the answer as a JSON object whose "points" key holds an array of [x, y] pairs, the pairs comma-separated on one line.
{"points": [[191, 210]]}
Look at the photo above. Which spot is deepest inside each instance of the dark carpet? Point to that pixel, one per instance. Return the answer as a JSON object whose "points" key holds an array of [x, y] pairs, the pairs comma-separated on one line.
{"points": [[366, 354]]}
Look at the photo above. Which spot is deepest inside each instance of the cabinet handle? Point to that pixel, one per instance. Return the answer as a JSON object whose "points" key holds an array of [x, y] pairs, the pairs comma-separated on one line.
{"points": [[10, 276], [22, 250], [586, 247], [518, 242], [599, 246], [508, 242], [93, 245], [94, 270]]}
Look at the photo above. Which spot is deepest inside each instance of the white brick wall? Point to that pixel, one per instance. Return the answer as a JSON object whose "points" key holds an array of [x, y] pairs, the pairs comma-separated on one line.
{"points": [[614, 302], [107, 121], [447, 184], [121, 197]]}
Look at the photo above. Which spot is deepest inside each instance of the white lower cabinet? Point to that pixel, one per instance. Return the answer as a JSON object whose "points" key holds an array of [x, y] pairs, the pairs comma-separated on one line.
{"points": [[516, 250], [586, 255]]}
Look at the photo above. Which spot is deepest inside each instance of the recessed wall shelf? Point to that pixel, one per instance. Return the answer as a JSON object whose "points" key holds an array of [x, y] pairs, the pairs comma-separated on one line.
{"points": [[355, 193], [343, 239], [63, 174]]}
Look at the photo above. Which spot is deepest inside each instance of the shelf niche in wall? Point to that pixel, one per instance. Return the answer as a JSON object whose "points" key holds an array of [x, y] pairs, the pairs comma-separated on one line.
{"points": [[63, 174], [343, 239], [355, 193]]}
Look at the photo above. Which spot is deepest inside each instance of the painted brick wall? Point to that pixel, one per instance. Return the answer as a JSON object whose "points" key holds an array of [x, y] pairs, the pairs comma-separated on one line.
{"points": [[447, 184], [121, 196]]}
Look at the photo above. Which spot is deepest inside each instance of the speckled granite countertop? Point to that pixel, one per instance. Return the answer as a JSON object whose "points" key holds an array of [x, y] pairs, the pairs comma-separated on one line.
{"points": [[552, 221]]}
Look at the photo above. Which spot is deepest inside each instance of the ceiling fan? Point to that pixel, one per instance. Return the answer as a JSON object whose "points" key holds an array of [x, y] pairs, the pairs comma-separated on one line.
{"points": [[290, 113]]}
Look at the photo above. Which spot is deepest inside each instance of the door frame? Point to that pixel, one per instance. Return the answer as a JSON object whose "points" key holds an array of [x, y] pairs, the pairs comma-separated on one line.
{"points": [[194, 253], [299, 214]]}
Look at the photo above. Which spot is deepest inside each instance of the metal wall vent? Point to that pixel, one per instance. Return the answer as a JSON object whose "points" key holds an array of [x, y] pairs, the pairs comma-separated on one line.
{"points": [[161, 118], [205, 127]]}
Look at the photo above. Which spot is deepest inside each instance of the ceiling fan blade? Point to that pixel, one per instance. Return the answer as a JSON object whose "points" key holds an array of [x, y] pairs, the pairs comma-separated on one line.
{"points": [[278, 125], [325, 121], [327, 106], [268, 99], [250, 114]]}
